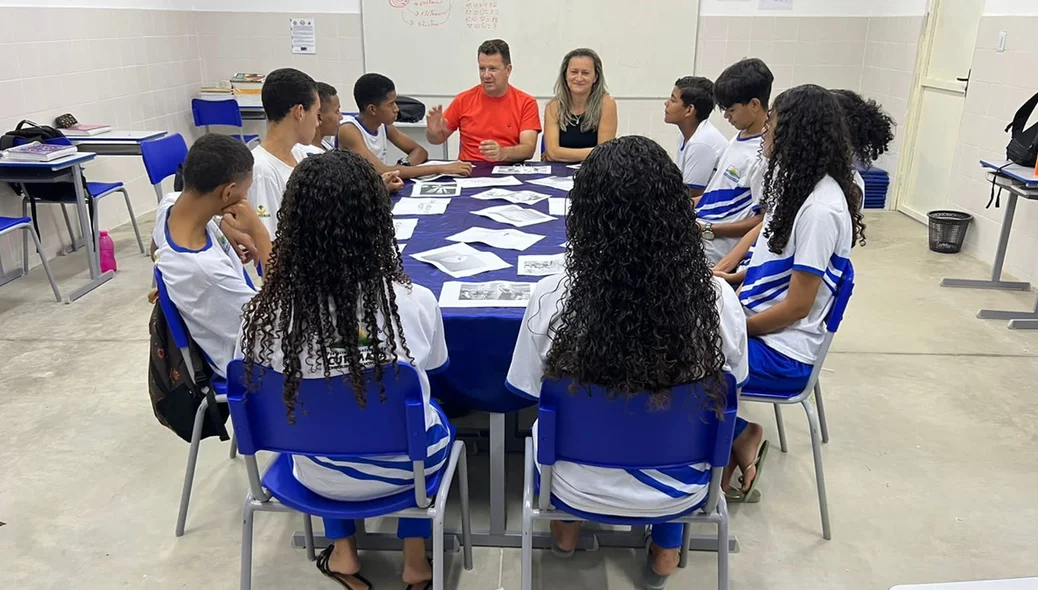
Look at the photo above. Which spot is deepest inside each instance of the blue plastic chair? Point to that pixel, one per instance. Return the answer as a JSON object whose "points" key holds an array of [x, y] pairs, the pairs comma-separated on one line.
{"points": [[816, 421], [162, 157], [334, 425], [220, 112], [10, 224], [182, 339], [588, 428]]}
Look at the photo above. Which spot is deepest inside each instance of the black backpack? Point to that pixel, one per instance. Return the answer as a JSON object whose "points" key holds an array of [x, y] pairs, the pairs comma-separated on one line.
{"points": [[174, 398], [1023, 147], [411, 110]]}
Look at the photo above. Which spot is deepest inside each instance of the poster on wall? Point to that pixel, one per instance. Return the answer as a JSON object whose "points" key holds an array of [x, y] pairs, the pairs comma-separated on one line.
{"points": [[304, 35]]}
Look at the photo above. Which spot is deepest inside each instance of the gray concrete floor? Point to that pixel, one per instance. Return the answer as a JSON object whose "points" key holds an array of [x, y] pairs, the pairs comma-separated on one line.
{"points": [[930, 470]]}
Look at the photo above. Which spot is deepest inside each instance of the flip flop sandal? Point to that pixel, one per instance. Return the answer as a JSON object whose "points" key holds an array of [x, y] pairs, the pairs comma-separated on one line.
{"points": [[428, 585], [650, 579], [735, 496], [322, 566], [762, 454]]}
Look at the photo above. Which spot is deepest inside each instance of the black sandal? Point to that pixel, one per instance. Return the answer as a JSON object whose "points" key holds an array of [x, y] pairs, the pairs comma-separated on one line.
{"points": [[322, 566], [428, 585]]}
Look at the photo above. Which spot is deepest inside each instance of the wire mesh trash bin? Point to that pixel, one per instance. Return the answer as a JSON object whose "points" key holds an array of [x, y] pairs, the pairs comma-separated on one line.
{"points": [[948, 230]]}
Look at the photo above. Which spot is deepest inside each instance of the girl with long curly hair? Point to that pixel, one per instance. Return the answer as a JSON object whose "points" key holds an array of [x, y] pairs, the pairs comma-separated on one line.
{"points": [[636, 312], [813, 218], [336, 302]]}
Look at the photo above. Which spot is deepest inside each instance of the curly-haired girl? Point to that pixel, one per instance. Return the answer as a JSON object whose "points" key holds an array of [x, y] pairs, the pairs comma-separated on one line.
{"points": [[637, 312], [336, 302]]}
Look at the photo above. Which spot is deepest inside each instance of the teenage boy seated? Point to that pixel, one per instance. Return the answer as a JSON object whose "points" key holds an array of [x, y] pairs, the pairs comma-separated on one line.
{"points": [[700, 144], [290, 102], [202, 272], [370, 132], [728, 208], [328, 118]]}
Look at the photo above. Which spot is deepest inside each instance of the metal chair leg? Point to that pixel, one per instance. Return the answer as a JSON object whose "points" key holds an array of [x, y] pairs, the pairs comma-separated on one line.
{"points": [[25, 240], [466, 520], [68, 225], [686, 537], [438, 555], [526, 559], [192, 459], [722, 545], [46, 265], [234, 445], [821, 411], [133, 220], [308, 528], [816, 447], [248, 513], [781, 428]]}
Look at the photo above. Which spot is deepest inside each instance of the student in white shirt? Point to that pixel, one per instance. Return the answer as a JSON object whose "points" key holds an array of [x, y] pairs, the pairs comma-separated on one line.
{"points": [[680, 325], [202, 273], [728, 208], [700, 144], [352, 308], [291, 104], [328, 118], [371, 131]]}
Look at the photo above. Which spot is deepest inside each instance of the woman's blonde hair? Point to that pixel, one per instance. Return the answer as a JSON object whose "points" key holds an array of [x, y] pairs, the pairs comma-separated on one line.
{"points": [[594, 102]]}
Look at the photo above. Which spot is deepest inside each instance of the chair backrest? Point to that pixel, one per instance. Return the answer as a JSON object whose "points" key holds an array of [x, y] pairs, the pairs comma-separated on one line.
{"points": [[163, 156], [172, 315], [328, 420], [216, 112], [586, 427], [844, 290]]}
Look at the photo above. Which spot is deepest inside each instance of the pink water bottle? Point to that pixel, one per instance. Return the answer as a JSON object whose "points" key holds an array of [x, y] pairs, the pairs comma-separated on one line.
{"points": [[106, 247]]}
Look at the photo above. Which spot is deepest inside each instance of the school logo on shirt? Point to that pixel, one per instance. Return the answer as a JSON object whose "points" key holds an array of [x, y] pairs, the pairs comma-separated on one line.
{"points": [[337, 352], [733, 174], [261, 211]]}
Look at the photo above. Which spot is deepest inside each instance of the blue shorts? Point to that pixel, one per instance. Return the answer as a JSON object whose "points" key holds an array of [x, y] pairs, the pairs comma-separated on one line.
{"points": [[771, 371]]}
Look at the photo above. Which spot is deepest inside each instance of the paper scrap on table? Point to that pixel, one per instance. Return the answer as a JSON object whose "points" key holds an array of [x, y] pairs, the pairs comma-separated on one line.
{"points": [[574, 166], [435, 189], [523, 197], [491, 294], [514, 215], [563, 184], [522, 169], [564, 245], [510, 239], [461, 260], [541, 266], [404, 228], [401, 247], [421, 206], [558, 206], [487, 181]]}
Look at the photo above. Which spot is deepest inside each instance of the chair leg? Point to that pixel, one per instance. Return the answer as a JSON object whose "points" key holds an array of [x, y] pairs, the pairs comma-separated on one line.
{"points": [[25, 240], [526, 558], [46, 265], [133, 220], [466, 520], [722, 545], [234, 445], [248, 512], [816, 447], [438, 555], [781, 428], [821, 411], [68, 225], [192, 459], [308, 528], [686, 537]]}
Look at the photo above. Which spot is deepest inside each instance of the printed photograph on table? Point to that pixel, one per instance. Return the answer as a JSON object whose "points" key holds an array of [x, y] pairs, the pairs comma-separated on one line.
{"points": [[514, 215], [404, 228], [510, 239], [487, 181], [556, 182], [520, 197], [542, 266], [491, 294], [435, 189], [461, 260], [522, 169], [421, 206]]}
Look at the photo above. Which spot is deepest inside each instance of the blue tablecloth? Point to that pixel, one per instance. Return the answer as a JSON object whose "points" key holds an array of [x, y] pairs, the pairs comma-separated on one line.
{"points": [[480, 340]]}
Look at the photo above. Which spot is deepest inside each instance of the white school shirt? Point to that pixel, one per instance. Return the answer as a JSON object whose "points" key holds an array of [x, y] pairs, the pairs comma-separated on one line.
{"points": [[158, 234], [820, 243], [269, 177], [377, 142], [209, 287], [728, 197], [698, 156], [621, 492], [368, 478]]}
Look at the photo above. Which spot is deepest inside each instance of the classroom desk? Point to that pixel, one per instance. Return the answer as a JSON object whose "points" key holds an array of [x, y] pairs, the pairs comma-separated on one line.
{"points": [[1010, 584], [68, 169], [1023, 184], [116, 142], [480, 343]]}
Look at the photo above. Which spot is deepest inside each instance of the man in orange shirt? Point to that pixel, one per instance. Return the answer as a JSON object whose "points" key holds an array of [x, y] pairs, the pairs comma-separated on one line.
{"points": [[498, 123]]}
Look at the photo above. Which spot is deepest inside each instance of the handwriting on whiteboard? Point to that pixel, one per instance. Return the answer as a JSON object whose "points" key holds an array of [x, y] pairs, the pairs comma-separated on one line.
{"points": [[482, 14], [423, 13]]}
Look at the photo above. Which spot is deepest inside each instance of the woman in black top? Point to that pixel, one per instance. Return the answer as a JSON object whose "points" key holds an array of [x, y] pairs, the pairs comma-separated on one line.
{"points": [[582, 114]]}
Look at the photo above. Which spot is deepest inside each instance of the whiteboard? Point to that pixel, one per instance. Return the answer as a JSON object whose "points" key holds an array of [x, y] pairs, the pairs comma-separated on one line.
{"points": [[428, 47]]}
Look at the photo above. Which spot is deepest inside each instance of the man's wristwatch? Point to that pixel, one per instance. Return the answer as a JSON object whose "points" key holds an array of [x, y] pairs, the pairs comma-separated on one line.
{"points": [[708, 230]]}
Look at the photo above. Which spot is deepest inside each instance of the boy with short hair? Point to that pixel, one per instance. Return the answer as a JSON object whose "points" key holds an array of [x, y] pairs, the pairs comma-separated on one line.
{"points": [[700, 144], [328, 118], [370, 132], [291, 104], [203, 274], [729, 208]]}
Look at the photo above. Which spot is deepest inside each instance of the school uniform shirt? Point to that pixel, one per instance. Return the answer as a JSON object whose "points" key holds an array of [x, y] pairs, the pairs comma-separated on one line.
{"points": [[481, 117], [269, 177], [624, 492], [820, 243], [158, 234], [367, 478], [728, 197], [377, 142], [208, 286], [698, 155]]}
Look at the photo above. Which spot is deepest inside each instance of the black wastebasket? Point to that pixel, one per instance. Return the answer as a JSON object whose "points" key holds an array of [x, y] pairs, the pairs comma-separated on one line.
{"points": [[948, 230]]}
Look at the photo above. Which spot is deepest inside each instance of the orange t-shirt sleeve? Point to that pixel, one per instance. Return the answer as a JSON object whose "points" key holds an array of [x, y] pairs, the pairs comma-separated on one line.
{"points": [[531, 116], [453, 113]]}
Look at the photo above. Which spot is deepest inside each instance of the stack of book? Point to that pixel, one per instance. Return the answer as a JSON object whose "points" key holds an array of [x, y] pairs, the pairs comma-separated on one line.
{"points": [[247, 84], [216, 90], [38, 152], [83, 130]]}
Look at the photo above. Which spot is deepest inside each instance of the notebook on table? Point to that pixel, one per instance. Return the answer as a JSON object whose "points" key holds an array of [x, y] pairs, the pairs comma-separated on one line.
{"points": [[38, 152]]}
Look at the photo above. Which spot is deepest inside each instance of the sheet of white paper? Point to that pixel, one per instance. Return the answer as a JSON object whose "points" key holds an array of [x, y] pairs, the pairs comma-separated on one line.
{"points": [[574, 166], [491, 294], [563, 184], [541, 266], [421, 206], [435, 189], [514, 215], [522, 169], [404, 228], [564, 245], [558, 206], [401, 248], [431, 177], [487, 181], [461, 260], [510, 239], [523, 197]]}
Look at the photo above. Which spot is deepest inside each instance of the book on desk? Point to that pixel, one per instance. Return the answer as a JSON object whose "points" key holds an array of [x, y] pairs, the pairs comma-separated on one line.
{"points": [[84, 130], [38, 152]]}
